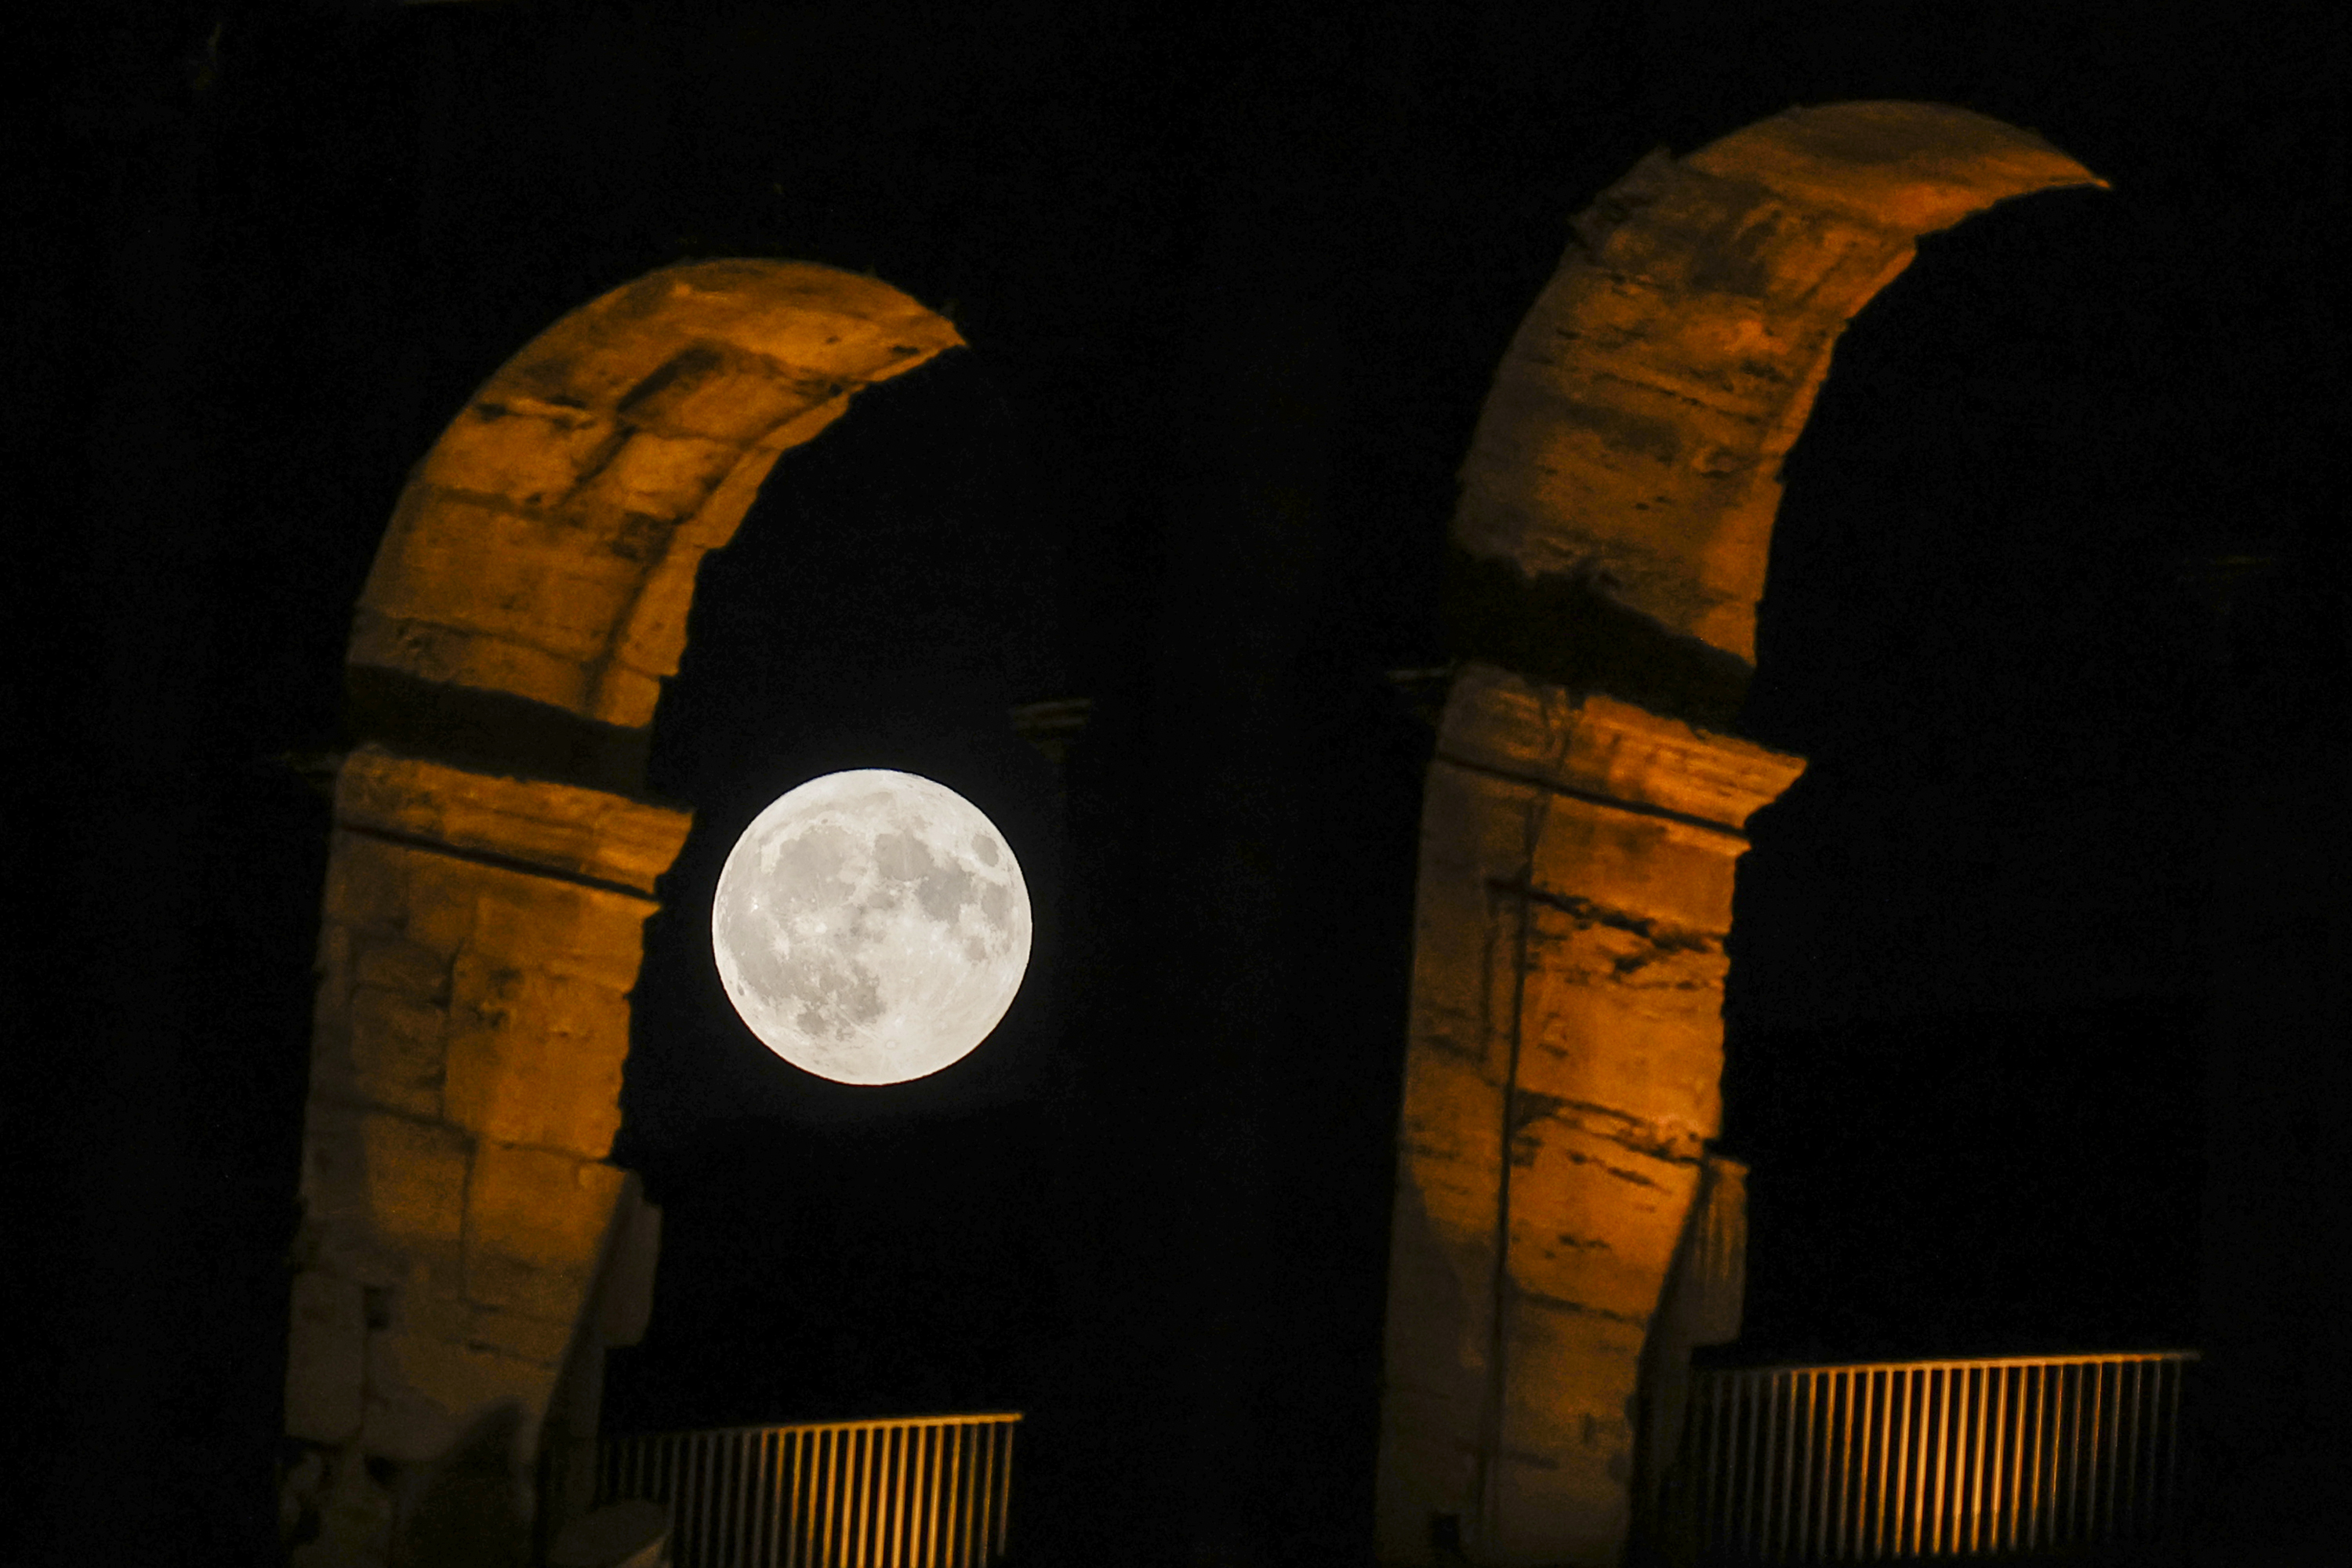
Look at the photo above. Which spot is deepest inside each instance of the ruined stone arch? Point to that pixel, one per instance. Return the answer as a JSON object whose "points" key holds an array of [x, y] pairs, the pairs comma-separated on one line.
{"points": [[1564, 1232], [466, 1251]]}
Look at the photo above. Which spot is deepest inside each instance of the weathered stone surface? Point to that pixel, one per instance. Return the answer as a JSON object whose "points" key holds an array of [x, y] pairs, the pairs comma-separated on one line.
{"points": [[1591, 745], [1577, 852], [534, 1057], [423, 1392], [546, 546], [1565, 1449], [572, 831], [535, 1228], [624, 1301], [1593, 1220], [383, 1196], [1576, 879], [325, 1359], [1637, 423], [1626, 1018]]}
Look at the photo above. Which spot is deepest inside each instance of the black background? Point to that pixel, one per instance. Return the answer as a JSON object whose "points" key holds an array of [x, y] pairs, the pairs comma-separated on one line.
{"points": [[1235, 280]]}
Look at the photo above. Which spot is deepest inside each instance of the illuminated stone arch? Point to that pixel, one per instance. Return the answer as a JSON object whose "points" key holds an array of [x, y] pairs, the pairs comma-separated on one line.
{"points": [[466, 1252], [1563, 1232]]}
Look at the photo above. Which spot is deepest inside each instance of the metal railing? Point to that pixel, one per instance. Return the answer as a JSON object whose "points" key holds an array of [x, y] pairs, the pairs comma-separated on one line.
{"points": [[923, 1492], [1932, 1458]]}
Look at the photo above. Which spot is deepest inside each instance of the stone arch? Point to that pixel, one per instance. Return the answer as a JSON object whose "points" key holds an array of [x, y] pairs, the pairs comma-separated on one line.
{"points": [[1564, 1232], [466, 1247]]}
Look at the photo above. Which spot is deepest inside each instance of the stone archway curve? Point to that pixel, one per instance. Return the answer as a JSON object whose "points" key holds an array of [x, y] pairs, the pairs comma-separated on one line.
{"points": [[1564, 1231], [466, 1252]]}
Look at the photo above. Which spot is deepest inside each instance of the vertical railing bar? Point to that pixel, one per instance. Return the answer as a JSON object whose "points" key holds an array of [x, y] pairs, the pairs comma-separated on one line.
{"points": [[1856, 1542], [1751, 1528], [893, 1490], [818, 1551], [1980, 1457], [2131, 1505], [1931, 1459], [869, 1499], [746, 1460], [1792, 1504], [1767, 1483], [1962, 1430], [2029, 1484], [1760, 1396], [863, 1505], [694, 1459], [1802, 1440], [1846, 1430], [1004, 1495], [1997, 1489], [2066, 1456], [1842, 1390], [903, 1509], [957, 1555], [1002, 1506], [1792, 1532], [2101, 1430], [2172, 1424], [1898, 1457], [1979, 1460], [1884, 1383], [2128, 1431], [918, 1484], [988, 1501], [910, 1484]]}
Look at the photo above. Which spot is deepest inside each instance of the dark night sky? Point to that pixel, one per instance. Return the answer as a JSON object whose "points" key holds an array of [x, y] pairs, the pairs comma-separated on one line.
{"points": [[1235, 283]]}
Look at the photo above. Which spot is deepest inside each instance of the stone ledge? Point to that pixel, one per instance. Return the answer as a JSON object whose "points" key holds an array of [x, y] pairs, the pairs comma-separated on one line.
{"points": [[1598, 747], [570, 830]]}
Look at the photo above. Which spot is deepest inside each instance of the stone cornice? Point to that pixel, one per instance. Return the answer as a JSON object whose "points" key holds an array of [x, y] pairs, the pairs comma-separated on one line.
{"points": [[1594, 745], [580, 833]]}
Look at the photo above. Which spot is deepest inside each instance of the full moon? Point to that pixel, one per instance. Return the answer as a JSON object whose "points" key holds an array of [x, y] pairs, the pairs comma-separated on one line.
{"points": [[871, 927]]}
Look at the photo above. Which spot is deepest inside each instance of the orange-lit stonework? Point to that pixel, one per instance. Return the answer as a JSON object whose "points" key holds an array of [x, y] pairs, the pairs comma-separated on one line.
{"points": [[466, 1252], [1578, 850]]}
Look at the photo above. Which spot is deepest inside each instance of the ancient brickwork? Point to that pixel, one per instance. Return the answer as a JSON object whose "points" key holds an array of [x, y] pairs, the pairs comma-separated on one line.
{"points": [[1575, 891], [1577, 854], [479, 941], [466, 1252], [547, 545], [1637, 423]]}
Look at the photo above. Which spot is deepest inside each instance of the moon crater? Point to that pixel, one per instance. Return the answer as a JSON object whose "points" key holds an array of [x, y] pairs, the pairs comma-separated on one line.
{"points": [[871, 927]]}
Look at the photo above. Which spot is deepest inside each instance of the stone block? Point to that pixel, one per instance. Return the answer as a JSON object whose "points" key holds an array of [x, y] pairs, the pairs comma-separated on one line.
{"points": [[1650, 869], [535, 1227], [647, 486], [388, 1051], [624, 1301], [524, 452], [384, 891], [1565, 1461], [326, 1359], [423, 1394], [383, 1195], [1613, 1018], [1474, 847], [568, 829], [1594, 1222], [1594, 745], [535, 1057]]}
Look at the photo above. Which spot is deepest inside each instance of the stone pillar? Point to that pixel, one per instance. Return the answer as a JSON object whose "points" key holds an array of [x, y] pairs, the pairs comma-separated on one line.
{"points": [[1561, 1084], [479, 942]]}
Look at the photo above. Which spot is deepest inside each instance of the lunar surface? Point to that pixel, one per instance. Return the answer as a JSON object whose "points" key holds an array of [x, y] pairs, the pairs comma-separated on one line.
{"points": [[871, 926]]}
